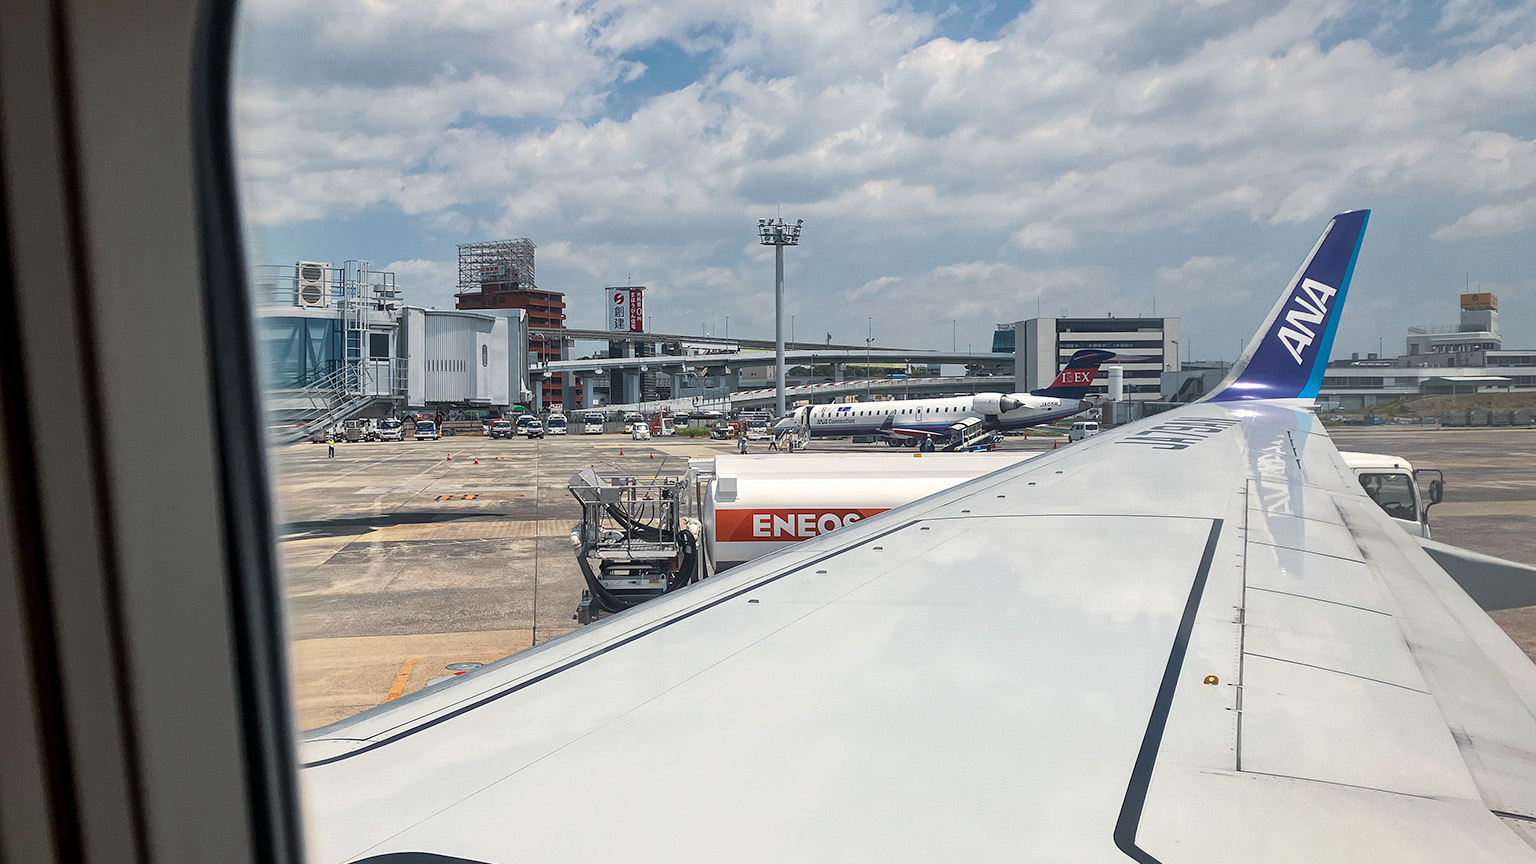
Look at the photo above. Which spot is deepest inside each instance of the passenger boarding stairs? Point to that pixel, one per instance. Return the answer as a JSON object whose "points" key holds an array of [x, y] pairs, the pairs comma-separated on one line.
{"points": [[321, 404]]}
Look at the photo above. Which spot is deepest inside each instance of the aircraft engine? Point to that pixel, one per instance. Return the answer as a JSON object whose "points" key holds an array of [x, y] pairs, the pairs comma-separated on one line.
{"points": [[988, 404]]}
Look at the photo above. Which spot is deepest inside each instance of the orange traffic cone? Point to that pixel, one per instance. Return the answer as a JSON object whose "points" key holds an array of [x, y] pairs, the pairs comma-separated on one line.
{"points": [[450, 457], [621, 451], [1055, 444], [477, 461], [653, 455]]}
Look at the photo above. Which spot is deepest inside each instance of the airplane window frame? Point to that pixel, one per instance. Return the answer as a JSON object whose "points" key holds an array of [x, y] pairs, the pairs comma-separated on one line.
{"points": [[257, 614]]}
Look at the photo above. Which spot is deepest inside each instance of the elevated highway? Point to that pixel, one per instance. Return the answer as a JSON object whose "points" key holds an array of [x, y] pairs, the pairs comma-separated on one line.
{"points": [[675, 364]]}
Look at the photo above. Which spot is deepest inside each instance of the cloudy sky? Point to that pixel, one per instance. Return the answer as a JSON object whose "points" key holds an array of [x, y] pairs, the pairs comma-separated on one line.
{"points": [[971, 162]]}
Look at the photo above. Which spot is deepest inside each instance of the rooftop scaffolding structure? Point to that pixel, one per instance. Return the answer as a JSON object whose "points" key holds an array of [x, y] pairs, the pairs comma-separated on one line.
{"points": [[496, 265]]}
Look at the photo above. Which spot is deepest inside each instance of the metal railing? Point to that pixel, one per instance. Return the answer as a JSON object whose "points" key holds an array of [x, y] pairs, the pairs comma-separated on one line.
{"points": [[341, 394]]}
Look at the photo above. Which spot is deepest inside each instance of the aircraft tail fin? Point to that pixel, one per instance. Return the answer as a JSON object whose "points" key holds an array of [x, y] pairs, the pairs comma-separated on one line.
{"points": [[1079, 373], [1287, 357]]}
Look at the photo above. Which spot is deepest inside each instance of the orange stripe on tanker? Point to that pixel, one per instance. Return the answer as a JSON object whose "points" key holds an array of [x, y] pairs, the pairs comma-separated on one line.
{"points": [[781, 524]]}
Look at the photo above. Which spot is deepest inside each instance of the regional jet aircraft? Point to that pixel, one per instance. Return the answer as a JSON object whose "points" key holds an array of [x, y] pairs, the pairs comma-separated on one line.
{"points": [[1189, 639], [907, 421]]}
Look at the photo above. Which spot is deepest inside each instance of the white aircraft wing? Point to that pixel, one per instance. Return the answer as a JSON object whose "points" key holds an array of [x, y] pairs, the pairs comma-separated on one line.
{"points": [[1190, 639]]}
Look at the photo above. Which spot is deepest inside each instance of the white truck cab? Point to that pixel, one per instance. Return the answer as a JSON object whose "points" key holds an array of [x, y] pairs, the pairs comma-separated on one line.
{"points": [[1082, 429], [592, 423], [1393, 484]]}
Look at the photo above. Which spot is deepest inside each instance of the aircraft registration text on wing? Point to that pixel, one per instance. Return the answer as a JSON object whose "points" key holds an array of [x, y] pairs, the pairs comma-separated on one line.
{"points": [[1189, 639]]}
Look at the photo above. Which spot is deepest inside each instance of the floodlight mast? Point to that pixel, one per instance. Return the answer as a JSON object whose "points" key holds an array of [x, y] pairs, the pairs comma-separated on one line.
{"points": [[778, 234]]}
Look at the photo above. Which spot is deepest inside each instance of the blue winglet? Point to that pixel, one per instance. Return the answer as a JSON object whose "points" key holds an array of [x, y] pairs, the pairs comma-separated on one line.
{"points": [[1290, 352]]}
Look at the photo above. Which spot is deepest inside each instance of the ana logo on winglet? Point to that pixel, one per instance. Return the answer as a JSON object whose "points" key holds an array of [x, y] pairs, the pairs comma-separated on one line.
{"points": [[1311, 301]]}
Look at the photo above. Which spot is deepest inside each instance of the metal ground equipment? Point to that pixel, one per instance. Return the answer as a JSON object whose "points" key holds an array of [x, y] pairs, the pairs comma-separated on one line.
{"points": [[638, 538]]}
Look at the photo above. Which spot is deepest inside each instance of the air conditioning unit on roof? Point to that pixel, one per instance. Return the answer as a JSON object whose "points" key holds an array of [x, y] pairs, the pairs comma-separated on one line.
{"points": [[313, 284]]}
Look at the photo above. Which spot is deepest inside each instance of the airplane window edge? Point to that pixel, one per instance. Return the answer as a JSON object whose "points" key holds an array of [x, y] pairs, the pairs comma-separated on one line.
{"points": [[258, 637]]}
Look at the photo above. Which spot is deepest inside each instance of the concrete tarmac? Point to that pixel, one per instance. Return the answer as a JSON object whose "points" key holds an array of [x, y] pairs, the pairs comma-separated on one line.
{"points": [[433, 552], [398, 560], [1490, 494]]}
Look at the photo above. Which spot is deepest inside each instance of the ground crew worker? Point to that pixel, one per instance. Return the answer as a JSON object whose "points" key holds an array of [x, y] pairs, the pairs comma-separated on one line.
{"points": [[330, 444], [741, 440]]}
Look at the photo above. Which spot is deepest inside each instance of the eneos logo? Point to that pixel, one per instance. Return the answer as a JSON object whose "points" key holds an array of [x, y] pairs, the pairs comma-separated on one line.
{"points": [[738, 526]]}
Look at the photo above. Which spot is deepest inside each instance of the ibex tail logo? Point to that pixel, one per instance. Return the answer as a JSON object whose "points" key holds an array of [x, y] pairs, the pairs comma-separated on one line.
{"points": [[1311, 307]]}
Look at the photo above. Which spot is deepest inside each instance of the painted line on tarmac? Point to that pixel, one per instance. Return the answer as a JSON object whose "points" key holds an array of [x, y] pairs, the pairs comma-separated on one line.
{"points": [[397, 689], [1485, 508]]}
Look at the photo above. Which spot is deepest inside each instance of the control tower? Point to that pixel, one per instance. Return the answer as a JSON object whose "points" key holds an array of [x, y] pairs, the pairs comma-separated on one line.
{"points": [[1455, 344], [1480, 314]]}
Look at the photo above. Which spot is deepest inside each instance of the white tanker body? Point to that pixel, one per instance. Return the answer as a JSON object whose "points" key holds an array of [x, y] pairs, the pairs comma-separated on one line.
{"points": [[755, 505]]}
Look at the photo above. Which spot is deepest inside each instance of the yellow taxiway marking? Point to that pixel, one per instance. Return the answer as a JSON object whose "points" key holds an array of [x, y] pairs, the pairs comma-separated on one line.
{"points": [[404, 676]]}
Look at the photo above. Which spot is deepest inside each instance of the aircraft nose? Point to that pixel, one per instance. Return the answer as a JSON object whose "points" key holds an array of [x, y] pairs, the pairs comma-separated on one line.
{"points": [[1007, 403]]}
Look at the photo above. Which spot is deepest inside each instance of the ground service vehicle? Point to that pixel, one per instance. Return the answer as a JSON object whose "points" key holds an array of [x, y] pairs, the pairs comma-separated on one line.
{"points": [[1082, 429], [502, 428], [390, 429], [555, 424], [592, 423], [520, 426], [426, 430], [754, 505], [534, 428], [757, 427], [1392, 483]]}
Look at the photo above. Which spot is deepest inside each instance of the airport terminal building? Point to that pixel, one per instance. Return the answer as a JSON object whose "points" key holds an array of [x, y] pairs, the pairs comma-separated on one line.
{"points": [[340, 341], [1466, 357], [1042, 347]]}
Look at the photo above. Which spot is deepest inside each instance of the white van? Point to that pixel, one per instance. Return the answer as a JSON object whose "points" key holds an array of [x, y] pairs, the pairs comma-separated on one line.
{"points": [[555, 424], [592, 423], [1082, 429]]}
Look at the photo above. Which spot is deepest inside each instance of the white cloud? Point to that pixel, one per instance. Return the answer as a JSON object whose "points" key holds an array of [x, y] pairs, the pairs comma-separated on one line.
{"points": [[1492, 220], [1088, 131], [427, 283], [1044, 237]]}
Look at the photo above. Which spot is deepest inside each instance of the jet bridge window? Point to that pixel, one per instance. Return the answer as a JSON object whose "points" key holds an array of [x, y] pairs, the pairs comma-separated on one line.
{"points": [[1394, 492]]}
